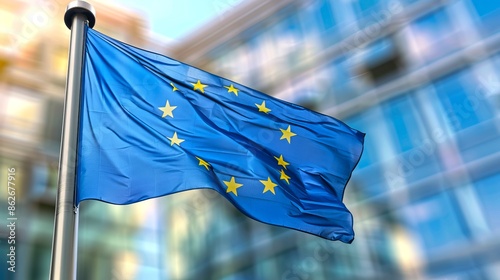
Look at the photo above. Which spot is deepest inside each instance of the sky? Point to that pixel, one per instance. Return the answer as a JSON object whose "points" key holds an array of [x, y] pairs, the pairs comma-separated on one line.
{"points": [[175, 19]]}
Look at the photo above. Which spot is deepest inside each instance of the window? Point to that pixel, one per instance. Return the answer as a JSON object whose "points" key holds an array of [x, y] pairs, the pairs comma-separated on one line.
{"points": [[437, 221], [59, 57], [462, 268], [369, 174], [53, 125], [404, 123], [485, 8], [342, 84], [367, 123], [326, 15], [330, 19], [410, 1], [462, 105], [488, 192], [432, 37], [417, 152], [364, 7]]}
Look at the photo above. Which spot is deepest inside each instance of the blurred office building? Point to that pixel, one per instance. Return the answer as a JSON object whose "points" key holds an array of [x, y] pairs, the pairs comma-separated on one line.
{"points": [[33, 61], [419, 77]]}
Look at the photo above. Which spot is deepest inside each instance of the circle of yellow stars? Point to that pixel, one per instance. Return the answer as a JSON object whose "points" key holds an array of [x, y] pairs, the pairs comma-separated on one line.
{"points": [[232, 185]]}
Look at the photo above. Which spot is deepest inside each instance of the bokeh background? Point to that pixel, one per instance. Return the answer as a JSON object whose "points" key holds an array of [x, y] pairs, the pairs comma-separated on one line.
{"points": [[420, 77]]}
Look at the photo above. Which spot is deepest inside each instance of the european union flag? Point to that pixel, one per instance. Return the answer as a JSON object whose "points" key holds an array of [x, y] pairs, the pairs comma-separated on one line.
{"points": [[152, 126]]}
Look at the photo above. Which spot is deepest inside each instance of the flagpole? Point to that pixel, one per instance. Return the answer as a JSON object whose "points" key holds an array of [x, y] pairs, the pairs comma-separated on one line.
{"points": [[64, 244]]}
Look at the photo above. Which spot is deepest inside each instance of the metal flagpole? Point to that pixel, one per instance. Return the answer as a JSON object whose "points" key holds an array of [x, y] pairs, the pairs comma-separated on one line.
{"points": [[64, 244]]}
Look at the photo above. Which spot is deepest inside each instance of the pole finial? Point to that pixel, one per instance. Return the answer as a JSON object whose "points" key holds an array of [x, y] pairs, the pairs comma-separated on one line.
{"points": [[79, 7]]}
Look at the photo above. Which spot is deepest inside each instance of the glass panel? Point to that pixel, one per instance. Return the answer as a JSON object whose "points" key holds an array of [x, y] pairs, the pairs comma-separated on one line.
{"points": [[466, 268], [53, 125], [484, 8], [343, 86], [404, 123], [40, 178], [432, 37], [437, 221], [370, 181], [366, 5], [479, 141], [326, 14], [488, 191], [366, 123], [462, 106], [417, 156], [363, 7]]}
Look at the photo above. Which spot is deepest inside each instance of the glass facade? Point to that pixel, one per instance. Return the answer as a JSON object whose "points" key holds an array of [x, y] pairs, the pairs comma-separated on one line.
{"points": [[423, 195]]}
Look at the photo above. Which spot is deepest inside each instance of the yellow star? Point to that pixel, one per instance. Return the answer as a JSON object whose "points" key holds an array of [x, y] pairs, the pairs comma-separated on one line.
{"points": [[268, 185], [167, 110], [281, 161], [232, 89], [203, 163], [285, 177], [173, 87], [287, 134], [232, 186], [199, 86], [175, 140], [262, 107]]}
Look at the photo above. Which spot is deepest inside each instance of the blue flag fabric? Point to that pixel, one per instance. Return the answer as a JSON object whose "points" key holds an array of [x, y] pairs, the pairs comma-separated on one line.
{"points": [[152, 126]]}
